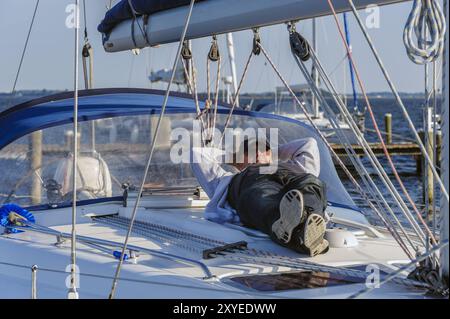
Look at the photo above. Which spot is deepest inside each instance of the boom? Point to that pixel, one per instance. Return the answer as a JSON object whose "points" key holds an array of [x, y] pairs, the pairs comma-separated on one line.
{"points": [[220, 16]]}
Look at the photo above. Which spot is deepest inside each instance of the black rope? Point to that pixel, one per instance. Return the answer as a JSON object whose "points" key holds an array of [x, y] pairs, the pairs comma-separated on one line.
{"points": [[132, 31], [24, 50], [135, 19], [85, 21], [145, 19]]}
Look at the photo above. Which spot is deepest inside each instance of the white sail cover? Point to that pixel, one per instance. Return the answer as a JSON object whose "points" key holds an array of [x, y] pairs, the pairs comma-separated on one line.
{"points": [[213, 17]]}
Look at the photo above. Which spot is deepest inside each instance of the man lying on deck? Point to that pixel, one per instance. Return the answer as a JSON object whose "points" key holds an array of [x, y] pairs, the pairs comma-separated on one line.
{"points": [[288, 204]]}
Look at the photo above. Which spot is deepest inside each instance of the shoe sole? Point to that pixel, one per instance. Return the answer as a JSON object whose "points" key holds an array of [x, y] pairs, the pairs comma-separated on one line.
{"points": [[291, 211], [313, 236]]}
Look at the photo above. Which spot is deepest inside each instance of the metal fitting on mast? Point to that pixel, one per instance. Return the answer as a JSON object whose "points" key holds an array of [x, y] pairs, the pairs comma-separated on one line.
{"points": [[256, 41]]}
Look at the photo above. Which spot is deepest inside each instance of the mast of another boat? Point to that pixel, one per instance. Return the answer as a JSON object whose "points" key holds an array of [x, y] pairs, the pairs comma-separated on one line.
{"points": [[230, 47], [189, 67], [445, 154], [315, 74]]}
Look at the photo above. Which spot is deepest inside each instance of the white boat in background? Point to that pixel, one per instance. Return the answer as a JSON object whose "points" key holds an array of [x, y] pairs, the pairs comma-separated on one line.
{"points": [[285, 105]]}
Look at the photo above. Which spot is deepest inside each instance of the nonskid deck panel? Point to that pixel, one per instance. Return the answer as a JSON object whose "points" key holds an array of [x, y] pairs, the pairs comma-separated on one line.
{"points": [[197, 244]]}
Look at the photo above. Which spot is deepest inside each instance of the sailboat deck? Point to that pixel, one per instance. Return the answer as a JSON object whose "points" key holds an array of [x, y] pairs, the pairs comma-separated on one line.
{"points": [[383, 251]]}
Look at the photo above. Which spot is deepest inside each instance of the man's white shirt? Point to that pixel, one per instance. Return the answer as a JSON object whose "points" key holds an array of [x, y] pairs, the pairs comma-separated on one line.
{"points": [[302, 154]]}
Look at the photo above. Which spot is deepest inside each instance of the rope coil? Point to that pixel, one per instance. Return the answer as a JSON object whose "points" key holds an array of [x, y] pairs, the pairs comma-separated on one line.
{"points": [[426, 19]]}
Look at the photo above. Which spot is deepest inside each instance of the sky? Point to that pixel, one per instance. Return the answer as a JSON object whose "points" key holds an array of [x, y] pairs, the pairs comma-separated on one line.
{"points": [[48, 62]]}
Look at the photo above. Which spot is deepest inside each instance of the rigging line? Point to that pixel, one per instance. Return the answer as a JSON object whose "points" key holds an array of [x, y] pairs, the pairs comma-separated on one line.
{"points": [[216, 98], [434, 142], [193, 89], [208, 100], [110, 4], [85, 21], [194, 80], [208, 79], [135, 18], [337, 100], [73, 289], [24, 50], [130, 74], [338, 65], [385, 150], [330, 148], [213, 56], [350, 151], [414, 225], [399, 101], [352, 155], [152, 148], [387, 77], [380, 170], [371, 204], [233, 106], [396, 273], [423, 33], [399, 136], [374, 161]]}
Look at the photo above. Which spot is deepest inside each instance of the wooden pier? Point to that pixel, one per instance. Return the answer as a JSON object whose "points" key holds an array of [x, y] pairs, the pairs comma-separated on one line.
{"points": [[397, 149]]}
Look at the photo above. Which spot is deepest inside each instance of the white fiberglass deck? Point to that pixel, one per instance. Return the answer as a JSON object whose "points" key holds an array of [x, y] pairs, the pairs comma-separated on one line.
{"points": [[155, 277]]}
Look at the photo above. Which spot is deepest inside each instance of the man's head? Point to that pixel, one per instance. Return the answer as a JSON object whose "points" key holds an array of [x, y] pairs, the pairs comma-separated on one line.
{"points": [[252, 151]]}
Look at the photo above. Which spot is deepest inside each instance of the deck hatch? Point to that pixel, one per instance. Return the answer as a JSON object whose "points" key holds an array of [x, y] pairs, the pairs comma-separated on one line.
{"points": [[294, 281]]}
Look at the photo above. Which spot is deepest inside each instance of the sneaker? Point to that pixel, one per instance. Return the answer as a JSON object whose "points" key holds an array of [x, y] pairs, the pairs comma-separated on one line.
{"points": [[291, 212], [313, 235]]}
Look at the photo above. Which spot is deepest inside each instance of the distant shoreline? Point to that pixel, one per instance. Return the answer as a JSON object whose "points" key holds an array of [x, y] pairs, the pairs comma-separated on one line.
{"points": [[8, 100], [386, 94]]}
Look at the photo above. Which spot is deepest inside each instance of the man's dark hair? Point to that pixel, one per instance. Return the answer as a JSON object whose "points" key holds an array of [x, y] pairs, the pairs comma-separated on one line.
{"points": [[245, 144]]}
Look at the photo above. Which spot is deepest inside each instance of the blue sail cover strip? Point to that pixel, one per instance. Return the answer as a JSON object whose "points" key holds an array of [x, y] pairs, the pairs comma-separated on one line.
{"points": [[122, 11], [57, 110], [96, 104]]}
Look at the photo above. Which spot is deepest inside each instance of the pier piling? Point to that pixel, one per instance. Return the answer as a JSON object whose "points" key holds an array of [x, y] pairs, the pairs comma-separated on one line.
{"points": [[388, 127], [36, 163]]}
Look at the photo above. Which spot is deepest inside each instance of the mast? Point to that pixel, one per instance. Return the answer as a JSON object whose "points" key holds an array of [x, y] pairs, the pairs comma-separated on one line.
{"points": [[189, 66], [218, 17], [445, 152], [315, 74], [230, 47]]}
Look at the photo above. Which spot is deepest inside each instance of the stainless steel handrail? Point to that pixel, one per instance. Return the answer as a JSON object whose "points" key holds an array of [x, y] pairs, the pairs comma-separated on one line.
{"points": [[34, 269], [87, 239]]}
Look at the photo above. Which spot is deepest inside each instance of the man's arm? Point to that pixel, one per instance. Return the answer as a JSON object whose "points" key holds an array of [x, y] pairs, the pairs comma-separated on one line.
{"points": [[303, 153], [206, 167]]}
